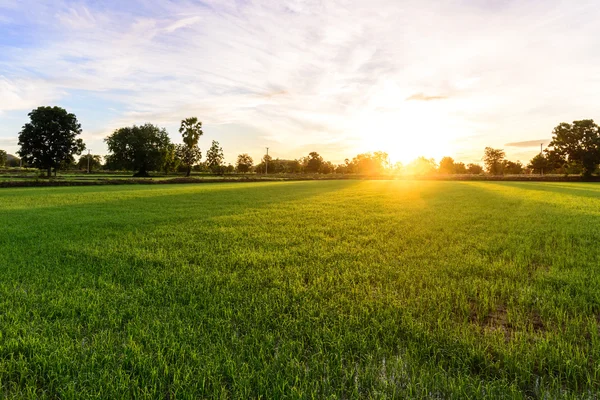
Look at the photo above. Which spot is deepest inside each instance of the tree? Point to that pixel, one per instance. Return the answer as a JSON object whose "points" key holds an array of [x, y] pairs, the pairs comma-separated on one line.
{"points": [[189, 152], [460, 168], [244, 163], [3, 158], [327, 168], [540, 164], [214, 157], [474, 169], [446, 166], [138, 148], [50, 138], [95, 162], [172, 159], [313, 162], [493, 160], [512, 168], [422, 166], [577, 143], [369, 163]]}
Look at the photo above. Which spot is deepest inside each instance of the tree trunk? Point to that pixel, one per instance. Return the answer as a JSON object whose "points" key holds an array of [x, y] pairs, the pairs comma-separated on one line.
{"points": [[49, 172], [189, 171], [141, 174]]}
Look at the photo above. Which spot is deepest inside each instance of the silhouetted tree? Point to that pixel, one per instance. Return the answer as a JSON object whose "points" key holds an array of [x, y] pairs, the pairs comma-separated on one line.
{"points": [[512, 168], [460, 168], [312, 163], [493, 160], [577, 143], [50, 138], [327, 168], [446, 166], [369, 163], [189, 153], [474, 169], [95, 162], [244, 163], [422, 166], [214, 157], [138, 148], [3, 158], [540, 164]]}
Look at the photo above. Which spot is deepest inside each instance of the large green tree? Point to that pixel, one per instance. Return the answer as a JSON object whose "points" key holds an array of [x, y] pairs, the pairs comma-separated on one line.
{"points": [[140, 149], [49, 139], [214, 157], [189, 153], [577, 143], [493, 160]]}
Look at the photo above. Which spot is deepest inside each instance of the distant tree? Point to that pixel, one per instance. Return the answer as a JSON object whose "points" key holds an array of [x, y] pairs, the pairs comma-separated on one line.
{"points": [[138, 148], [12, 161], [313, 162], [493, 160], [446, 166], [172, 160], [95, 162], [3, 158], [460, 168], [422, 166], [327, 168], [474, 169], [375, 163], [214, 157], [540, 164], [577, 143], [512, 168], [189, 153], [244, 163], [229, 169], [398, 168], [50, 138]]}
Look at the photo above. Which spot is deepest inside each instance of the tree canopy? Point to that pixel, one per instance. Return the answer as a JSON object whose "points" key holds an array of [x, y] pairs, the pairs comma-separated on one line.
{"points": [[138, 148], [95, 162], [189, 153], [50, 138], [577, 143], [214, 157], [312, 163], [244, 163], [493, 160]]}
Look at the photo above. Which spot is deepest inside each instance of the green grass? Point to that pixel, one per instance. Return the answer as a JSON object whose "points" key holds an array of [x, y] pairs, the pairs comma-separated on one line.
{"points": [[337, 289]]}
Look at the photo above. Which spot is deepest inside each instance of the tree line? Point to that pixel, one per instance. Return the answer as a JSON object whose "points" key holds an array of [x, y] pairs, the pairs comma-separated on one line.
{"points": [[50, 142]]}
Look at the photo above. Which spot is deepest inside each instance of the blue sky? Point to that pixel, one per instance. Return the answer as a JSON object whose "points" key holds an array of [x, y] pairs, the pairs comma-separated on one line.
{"points": [[432, 78]]}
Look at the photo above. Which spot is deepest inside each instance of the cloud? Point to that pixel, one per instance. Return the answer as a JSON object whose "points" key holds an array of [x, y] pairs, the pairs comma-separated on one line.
{"points": [[294, 73], [528, 143], [423, 97]]}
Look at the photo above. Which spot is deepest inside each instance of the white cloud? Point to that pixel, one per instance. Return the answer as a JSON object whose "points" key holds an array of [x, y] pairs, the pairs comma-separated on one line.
{"points": [[304, 73]]}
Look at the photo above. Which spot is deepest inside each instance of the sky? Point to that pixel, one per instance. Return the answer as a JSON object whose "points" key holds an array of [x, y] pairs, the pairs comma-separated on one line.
{"points": [[426, 78]]}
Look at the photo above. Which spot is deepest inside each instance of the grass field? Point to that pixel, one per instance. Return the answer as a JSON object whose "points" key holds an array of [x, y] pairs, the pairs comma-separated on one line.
{"points": [[337, 289]]}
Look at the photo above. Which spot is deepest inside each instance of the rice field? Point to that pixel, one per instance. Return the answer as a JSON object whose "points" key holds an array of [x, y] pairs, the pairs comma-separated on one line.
{"points": [[317, 289]]}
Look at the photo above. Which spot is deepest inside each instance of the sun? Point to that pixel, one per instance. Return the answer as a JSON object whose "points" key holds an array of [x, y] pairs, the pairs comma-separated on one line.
{"points": [[406, 133]]}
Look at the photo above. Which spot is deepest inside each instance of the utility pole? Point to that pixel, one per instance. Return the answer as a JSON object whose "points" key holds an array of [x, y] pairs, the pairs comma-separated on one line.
{"points": [[542, 155], [89, 161], [267, 162]]}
